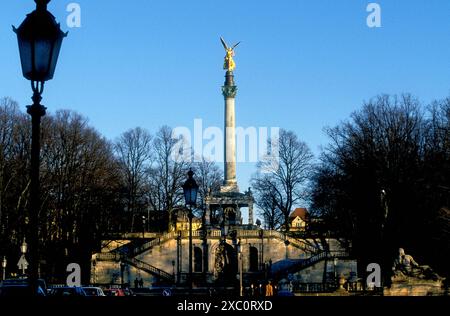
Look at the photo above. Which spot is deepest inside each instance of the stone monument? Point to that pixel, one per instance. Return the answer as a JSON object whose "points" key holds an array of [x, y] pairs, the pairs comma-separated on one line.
{"points": [[411, 279], [224, 206]]}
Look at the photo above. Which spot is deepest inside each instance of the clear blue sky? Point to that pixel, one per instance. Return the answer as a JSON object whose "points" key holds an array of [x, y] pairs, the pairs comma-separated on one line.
{"points": [[302, 65]]}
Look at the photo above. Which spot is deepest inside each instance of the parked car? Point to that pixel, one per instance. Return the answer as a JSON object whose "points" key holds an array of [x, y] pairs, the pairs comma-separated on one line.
{"points": [[68, 291], [93, 291], [21, 287], [114, 292]]}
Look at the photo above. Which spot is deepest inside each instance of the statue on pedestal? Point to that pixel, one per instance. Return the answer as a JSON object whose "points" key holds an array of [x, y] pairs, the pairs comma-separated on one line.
{"points": [[406, 266], [411, 279], [229, 63], [225, 264]]}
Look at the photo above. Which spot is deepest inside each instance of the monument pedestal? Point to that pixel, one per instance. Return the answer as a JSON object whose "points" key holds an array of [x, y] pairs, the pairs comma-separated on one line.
{"points": [[229, 204], [411, 286]]}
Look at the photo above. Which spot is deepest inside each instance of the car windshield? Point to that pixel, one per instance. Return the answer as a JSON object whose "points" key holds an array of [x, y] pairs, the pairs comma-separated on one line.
{"points": [[69, 291]]}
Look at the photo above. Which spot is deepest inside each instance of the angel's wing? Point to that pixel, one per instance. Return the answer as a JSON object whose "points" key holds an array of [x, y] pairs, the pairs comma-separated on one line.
{"points": [[236, 45], [223, 43]]}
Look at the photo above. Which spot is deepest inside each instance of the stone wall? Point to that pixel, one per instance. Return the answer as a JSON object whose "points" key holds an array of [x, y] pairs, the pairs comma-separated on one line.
{"points": [[268, 249], [315, 273], [163, 256]]}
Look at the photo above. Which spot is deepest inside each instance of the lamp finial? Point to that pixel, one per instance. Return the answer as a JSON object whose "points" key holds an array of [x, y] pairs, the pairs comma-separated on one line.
{"points": [[41, 4]]}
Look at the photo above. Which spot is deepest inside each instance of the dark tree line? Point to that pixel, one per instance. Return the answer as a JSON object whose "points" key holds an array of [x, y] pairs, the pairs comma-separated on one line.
{"points": [[78, 179], [90, 187], [153, 172], [384, 181]]}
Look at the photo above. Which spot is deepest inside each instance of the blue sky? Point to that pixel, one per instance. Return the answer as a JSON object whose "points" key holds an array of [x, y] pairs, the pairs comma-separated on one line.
{"points": [[302, 65]]}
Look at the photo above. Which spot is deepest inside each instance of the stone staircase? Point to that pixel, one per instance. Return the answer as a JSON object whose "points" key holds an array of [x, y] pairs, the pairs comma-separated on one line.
{"points": [[160, 274], [129, 251], [117, 257], [138, 249], [300, 264]]}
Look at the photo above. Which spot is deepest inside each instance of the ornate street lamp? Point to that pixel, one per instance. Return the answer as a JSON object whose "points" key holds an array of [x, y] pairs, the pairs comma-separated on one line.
{"points": [[335, 263], [190, 190], [24, 247], [143, 226], [23, 264], [39, 38]]}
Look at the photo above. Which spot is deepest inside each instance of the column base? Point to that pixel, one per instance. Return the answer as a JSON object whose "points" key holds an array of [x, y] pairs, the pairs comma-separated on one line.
{"points": [[229, 186]]}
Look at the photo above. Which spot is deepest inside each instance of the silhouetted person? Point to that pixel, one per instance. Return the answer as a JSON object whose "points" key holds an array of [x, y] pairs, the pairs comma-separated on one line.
{"points": [[252, 290], [141, 283], [136, 283], [269, 289]]}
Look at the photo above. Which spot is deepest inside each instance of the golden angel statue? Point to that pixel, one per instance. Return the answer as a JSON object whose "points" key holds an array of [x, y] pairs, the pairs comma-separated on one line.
{"points": [[229, 63]]}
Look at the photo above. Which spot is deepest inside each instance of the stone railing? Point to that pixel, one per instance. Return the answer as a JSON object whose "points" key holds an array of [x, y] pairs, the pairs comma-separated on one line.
{"points": [[141, 265], [107, 256], [155, 242], [278, 235], [303, 245], [216, 233]]}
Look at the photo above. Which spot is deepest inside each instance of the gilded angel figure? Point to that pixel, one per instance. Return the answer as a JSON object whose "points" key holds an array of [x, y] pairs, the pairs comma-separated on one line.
{"points": [[229, 63]]}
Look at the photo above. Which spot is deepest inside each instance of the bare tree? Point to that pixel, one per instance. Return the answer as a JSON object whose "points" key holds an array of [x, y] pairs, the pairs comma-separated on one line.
{"points": [[168, 174], [268, 209], [209, 178], [281, 181], [134, 152], [14, 179]]}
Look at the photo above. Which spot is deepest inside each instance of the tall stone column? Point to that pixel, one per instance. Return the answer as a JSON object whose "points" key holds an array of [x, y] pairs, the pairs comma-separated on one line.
{"points": [[229, 91]]}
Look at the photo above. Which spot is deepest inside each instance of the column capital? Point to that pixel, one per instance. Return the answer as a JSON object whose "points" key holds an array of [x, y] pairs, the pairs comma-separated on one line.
{"points": [[229, 91]]}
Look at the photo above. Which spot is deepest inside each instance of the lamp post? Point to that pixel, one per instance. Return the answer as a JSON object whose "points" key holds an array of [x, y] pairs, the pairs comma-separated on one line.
{"points": [[335, 262], [205, 252], [23, 264], [122, 269], [385, 206], [179, 261], [261, 235], [173, 268], [39, 38], [241, 267], [190, 189], [94, 265], [143, 226], [148, 217], [4, 263]]}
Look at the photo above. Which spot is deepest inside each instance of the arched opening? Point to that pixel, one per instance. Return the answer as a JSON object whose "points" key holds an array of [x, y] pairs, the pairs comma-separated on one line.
{"points": [[253, 259], [198, 260]]}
